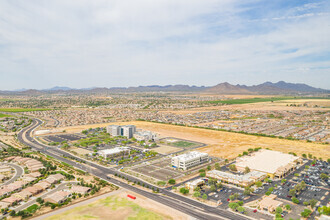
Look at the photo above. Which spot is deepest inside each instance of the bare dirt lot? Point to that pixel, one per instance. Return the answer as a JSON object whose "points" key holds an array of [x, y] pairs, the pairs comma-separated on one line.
{"points": [[164, 149], [120, 207], [224, 144]]}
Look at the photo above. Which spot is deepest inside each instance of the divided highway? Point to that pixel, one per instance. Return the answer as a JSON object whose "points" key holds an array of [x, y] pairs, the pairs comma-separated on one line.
{"points": [[166, 197]]}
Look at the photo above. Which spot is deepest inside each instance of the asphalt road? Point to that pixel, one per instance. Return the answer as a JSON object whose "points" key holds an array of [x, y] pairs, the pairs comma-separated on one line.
{"points": [[18, 174], [173, 200]]}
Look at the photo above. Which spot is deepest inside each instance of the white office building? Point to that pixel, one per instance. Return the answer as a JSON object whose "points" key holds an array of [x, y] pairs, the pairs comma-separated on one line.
{"points": [[126, 130], [113, 130], [114, 152], [188, 160]]}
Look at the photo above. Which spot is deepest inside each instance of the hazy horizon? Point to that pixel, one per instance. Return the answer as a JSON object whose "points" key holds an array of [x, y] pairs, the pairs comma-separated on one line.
{"points": [[82, 44]]}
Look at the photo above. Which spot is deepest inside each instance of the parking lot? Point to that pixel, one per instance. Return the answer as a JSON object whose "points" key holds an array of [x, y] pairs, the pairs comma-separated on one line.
{"points": [[63, 137], [159, 170], [316, 188]]}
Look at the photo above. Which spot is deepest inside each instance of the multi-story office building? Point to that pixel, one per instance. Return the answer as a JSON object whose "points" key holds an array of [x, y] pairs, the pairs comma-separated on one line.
{"points": [[188, 160], [114, 130], [126, 130]]}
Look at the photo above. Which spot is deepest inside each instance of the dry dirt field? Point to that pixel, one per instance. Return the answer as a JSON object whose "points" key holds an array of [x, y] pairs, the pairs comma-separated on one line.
{"points": [[221, 143], [165, 149], [80, 151], [119, 207]]}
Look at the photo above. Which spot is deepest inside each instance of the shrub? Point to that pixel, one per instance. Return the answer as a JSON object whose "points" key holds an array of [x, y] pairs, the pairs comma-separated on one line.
{"points": [[171, 181], [295, 200], [184, 191]]}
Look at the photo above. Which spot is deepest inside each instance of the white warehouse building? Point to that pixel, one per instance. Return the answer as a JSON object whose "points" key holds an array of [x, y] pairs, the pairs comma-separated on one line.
{"points": [[114, 152], [188, 160]]}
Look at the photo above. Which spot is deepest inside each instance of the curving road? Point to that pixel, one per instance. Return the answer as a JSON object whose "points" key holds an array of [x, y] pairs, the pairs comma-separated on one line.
{"points": [[18, 173], [173, 200]]}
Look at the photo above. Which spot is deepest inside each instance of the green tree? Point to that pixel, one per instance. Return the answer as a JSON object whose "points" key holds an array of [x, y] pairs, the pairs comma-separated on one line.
{"points": [[283, 181], [171, 181], [233, 205], [295, 200], [324, 176], [217, 166], [197, 194], [306, 213], [258, 183], [313, 202], [208, 167], [232, 167], [292, 192], [184, 191], [202, 174], [287, 207], [278, 210], [241, 209], [204, 196], [212, 188]]}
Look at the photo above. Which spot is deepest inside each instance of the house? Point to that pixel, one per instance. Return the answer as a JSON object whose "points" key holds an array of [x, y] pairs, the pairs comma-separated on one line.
{"points": [[43, 185], [33, 190], [34, 174], [268, 203], [5, 170], [4, 205], [80, 189], [11, 200], [57, 197], [28, 179], [52, 179], [15, 186], [24, 195], [4, 192]]}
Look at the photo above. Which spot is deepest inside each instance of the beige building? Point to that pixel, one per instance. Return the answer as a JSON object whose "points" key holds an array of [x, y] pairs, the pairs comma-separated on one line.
{"points": [[268, 203], [194, 184], [274, 163], [240, 180], [57, 197]]}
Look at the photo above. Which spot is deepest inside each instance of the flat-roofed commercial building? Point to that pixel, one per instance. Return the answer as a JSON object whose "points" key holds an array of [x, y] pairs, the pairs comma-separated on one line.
{"points": [[188, 160], [145, 136], [240, 180], [269, 203], [114, 152], [275, 164]]}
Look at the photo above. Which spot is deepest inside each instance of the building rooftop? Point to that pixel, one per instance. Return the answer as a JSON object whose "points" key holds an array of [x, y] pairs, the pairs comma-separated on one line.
{"points": [[190, 155], [267, 161], [113, 150], [242, 178]]}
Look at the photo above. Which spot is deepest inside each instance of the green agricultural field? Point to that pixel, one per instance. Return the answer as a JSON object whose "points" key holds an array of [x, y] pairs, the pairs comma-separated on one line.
{"points": [[22, 109], [4, 116], [255, 100], [111, 207], [183, 144]]}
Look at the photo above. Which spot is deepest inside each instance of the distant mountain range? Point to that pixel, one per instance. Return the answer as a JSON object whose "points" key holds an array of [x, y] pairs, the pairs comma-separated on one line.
{"points": [[278, 88]]}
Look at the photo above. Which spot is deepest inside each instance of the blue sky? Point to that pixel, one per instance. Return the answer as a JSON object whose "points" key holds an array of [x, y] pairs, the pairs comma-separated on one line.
{"points": [[144, 42]]}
